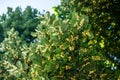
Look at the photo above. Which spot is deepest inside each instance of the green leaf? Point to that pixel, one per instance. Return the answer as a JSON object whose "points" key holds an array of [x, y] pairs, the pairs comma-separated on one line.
{"points": [[19, 64]]}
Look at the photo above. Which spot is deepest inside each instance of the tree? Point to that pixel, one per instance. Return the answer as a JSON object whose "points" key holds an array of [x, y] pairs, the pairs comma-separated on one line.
{"points": [[69, 45], [24, 22], [66, 46], [15, 31], [1, 33], [15, 61], [103, 16], [30, 22]]}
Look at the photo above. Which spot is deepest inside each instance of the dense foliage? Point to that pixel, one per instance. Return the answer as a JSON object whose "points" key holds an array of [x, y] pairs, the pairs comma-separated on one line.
{"points": [[104, 18], [24, 22], [80, 41]]}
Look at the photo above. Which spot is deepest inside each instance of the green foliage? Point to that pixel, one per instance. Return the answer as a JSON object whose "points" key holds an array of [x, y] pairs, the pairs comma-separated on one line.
{"points": [[24, 22], [14, 57], [74, 44], [104, 18], [1, 34], [67, 51]]}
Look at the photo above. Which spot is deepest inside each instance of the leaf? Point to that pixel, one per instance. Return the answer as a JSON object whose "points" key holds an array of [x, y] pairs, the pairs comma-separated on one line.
{"points": [[54, 10], [74, 18], [19, 64], [102, 44], [81, 23], [71, 48], [96, 58], [47, 55], [91, 36], [55, 34], [49, 66], [58, 56]]}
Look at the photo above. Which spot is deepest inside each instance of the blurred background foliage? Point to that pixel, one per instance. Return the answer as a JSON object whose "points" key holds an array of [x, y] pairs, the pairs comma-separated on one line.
{"points": [[79, 41]]}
